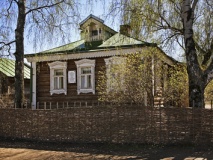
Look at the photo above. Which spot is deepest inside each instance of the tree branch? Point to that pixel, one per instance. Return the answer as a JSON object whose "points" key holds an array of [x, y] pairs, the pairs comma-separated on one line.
{"points": [[6, 44], [209, 72], [10, 5], [42, 7], [206, 53], [180, 44], [194, 5], [207, 2]]}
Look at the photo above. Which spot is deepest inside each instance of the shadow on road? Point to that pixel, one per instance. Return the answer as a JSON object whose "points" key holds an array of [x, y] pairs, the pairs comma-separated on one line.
{"points": [[115, 151]]}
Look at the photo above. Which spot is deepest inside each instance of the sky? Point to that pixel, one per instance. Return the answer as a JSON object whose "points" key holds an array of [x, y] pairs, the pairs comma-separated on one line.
{"points": [[99, 9]]}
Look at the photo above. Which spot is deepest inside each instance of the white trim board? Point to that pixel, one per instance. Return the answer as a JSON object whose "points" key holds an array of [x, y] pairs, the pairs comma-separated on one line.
{"points": [[60, 56]]}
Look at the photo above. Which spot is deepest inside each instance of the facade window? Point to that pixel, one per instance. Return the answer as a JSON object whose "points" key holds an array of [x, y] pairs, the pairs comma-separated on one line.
{"points": [[58, 77], [85, 76], [115, 68]]}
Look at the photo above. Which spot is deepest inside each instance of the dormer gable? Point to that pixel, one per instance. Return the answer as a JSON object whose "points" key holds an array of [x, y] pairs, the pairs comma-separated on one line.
{"points": [[93, 29]]}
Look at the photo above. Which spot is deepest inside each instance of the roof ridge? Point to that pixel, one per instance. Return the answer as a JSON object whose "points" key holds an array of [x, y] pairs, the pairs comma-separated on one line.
{"points": [[136, 38], [116, 40], [91, 16]]}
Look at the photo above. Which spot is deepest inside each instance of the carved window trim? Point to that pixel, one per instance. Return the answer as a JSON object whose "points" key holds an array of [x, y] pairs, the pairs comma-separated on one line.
{"points": [[57, 65], [85, 63]]}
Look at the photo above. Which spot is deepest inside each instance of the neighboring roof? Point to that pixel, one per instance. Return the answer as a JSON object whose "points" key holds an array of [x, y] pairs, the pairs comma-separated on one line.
{"points": [[121, 40], [91, 16], [71, 46], [7, 67]]}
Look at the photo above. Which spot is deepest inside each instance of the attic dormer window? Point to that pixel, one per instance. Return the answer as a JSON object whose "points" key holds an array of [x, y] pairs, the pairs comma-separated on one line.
{"points": [[94, 32]]}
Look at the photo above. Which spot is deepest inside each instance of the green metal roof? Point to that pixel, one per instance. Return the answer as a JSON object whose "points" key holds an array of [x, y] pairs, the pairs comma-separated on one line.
{"points": [[74, 45], [120, 40], [7, 67], [115, 41]]}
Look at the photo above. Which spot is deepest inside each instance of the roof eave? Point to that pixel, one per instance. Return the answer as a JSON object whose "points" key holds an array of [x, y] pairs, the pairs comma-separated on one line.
{"points": [[91, 50]]}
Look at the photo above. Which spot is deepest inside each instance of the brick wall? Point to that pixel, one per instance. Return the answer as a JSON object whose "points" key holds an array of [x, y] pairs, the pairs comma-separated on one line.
{"points": [[109, 124]]}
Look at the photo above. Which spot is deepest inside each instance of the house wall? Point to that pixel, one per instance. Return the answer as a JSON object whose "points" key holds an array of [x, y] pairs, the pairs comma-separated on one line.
{"points": [[43, 84], [3, 84]]}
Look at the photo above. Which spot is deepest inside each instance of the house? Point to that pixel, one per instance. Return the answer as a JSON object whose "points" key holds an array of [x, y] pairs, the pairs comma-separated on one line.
{"points": [[7, 80], [70, 72]]}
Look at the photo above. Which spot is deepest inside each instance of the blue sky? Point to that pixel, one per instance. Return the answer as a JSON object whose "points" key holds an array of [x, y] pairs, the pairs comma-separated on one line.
{"points": [[99, 9]]}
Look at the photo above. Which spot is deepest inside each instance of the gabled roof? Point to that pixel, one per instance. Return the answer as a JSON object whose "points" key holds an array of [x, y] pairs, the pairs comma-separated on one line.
{"points": [[7, 67], [121, 40], [91, 16], [115, 41], [80, 49]]}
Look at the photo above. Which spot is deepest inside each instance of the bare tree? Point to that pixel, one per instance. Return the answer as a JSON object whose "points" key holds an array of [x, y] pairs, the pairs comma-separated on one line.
{"points": [[43, 21], [187, 23]]}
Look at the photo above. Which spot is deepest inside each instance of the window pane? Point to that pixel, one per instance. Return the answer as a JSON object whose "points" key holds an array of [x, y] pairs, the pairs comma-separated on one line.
{"points": [[86, 70], [89, 85], [86, 82], [55, 82], [61, 84], [58, 79], [58, 72], [83, 82]]}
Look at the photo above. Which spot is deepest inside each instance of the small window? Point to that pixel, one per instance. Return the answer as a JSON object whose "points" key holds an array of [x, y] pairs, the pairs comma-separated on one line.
{"points": [[94, 32], [58, 79], [58, 83], [85, 76]]}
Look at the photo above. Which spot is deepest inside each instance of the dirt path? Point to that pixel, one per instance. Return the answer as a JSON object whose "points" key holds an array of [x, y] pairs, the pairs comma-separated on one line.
{"points": [[14, 150]]}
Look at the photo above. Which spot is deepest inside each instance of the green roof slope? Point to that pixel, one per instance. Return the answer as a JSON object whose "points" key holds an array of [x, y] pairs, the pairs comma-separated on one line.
{"points": [[7, 67], [67, 47], [121, 40]]}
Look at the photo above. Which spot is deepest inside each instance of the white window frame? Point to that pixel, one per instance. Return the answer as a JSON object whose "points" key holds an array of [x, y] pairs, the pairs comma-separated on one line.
{"points": [[56, 66], [109, 62], [83, 64]]}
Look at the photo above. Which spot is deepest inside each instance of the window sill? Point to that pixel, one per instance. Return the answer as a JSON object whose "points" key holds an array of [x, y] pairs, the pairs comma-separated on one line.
{"points": [[86, 91], [61, 91]]}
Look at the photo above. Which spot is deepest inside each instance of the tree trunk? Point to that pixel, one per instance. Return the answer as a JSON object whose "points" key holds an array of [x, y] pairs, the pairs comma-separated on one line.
{"points": [[195, 74], [19, 55]]}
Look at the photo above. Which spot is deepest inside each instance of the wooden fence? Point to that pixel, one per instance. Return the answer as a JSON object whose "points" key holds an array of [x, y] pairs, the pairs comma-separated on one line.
{"points": [[111, 124], [70, 104]]}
